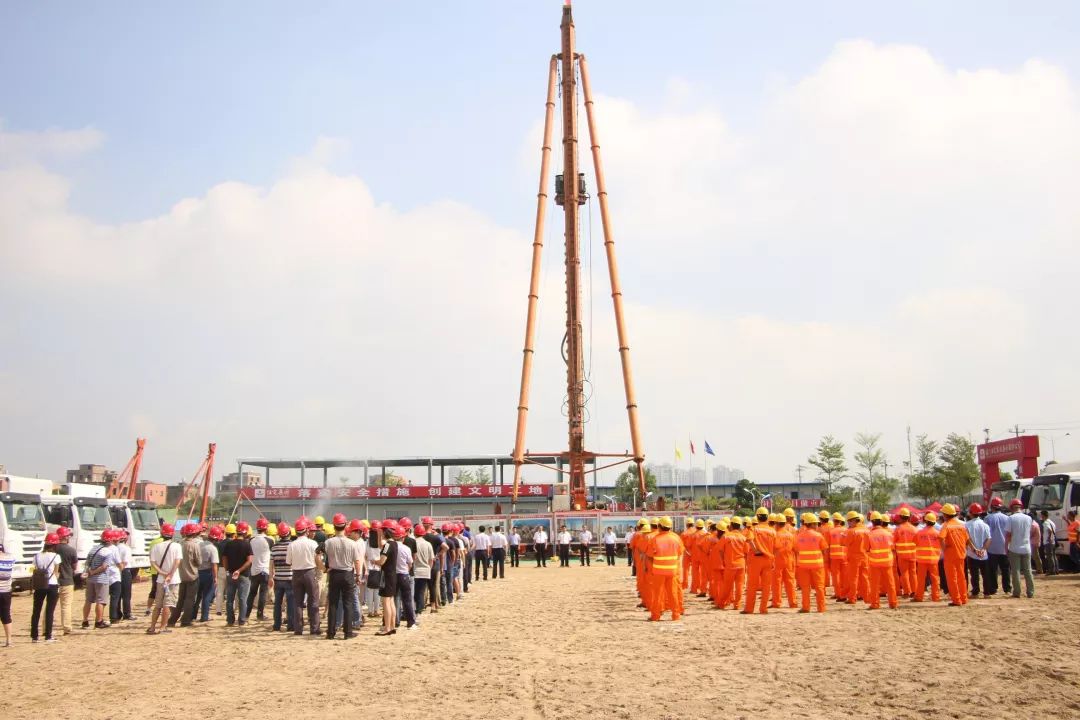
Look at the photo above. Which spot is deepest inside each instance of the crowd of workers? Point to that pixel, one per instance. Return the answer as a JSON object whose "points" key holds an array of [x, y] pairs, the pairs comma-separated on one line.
{"points": [[332, 573], [755, 563]]}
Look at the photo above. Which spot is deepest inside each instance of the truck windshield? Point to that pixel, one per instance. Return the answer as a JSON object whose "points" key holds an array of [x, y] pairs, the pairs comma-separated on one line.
{"points": [[1047, 497], [24, 516], [145, 519], [1007, 491], [94, 517]]}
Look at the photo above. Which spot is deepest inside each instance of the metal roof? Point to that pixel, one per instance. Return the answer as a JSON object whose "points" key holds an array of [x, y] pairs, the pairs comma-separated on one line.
{"points": [[316, 463]]}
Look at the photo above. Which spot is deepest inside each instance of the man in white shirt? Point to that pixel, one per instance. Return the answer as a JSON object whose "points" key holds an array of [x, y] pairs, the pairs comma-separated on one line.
{"points": [[498, 554], [609, 546], [124, 603], [345, 563], [1018, 540], [165, 557], [1049, 544], [563, 540], [260, 569], [301, 558], [481, 552], [540, 542], [629, 555], [515, 548], [423, 560], [584, 541]]}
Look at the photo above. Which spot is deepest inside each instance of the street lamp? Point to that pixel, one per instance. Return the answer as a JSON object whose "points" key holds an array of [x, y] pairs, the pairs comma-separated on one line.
{"points": [[1053, 446]]}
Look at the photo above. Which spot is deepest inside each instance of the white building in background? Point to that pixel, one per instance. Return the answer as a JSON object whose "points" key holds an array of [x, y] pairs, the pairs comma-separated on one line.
{"points": [[723, 475]]}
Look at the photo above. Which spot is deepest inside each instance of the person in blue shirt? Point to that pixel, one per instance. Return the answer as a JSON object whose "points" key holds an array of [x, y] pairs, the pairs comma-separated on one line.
{"points": [[977, 556], [998, 522]]}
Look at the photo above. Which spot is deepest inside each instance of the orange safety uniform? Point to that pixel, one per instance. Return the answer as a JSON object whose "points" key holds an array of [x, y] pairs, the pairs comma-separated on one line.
{"points": [[664, 554], [714, 564], [638, 544], [837, 558], [810, 549], [784, 570], [734, 548], [697, 560], [1074, 532], [688, 535], [927, 554], [856, 545], [760, 570], [904, 536], [954, 538], [882, 567]]}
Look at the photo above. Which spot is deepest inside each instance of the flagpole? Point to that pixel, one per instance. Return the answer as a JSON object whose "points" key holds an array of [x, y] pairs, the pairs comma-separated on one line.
{"points": [[690, 468], [675, 475]]}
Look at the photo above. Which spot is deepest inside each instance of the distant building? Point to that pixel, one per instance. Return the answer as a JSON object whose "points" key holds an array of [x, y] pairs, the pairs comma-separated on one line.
{"points": [[156, 493], [723, 475], [91, 475], [230, 484]]}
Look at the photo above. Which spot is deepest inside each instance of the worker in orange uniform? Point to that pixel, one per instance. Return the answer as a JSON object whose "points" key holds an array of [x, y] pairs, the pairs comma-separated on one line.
{"points": [[823, 525], [927, 554], [697, 573], [954, 543], [762, 558], [856, 546], [837, 555], [688, 536], [811, 554], [784, 568], [882, 562], [715, 563], [707, 541], [734, 548], [1073, 531], [664, 555], [637, 547], [904, 535]]}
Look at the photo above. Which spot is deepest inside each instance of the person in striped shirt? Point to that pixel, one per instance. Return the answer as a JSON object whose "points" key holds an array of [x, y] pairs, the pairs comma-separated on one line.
{"points": [[7, 564], [281, 579]]}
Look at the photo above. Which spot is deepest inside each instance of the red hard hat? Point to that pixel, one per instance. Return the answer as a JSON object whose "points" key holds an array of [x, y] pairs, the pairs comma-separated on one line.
{"points": [[377, 525], [52, 539], [340, 520], [419, 529], [897, 519], [405, 522], [995, 502], [63, 532], [283, 529], [427, 520], [447, 527], [262, 524], [975, 509], [1016, 503], [301, 524], [217, 532], [399, 531], [242, 527], [355, 526], [167, 530]]}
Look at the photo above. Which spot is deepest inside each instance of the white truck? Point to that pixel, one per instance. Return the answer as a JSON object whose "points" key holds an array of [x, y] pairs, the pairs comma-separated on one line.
{"points": [[85, 516], [22, 531], [1057, 491], [1009, 490], [140, 519]]}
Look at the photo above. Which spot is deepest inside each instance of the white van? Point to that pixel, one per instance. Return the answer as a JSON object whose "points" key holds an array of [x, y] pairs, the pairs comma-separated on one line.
{"points": [[1057, 491], [22, 532], [140, 519], [85, 516]]}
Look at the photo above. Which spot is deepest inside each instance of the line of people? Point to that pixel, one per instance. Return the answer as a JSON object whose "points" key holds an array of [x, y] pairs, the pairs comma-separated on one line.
{"points": [[756, 563], [325, 570]]}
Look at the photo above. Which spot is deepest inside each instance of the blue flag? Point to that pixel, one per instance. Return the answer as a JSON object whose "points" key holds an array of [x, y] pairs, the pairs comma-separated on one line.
{"points": [[708, 450]]}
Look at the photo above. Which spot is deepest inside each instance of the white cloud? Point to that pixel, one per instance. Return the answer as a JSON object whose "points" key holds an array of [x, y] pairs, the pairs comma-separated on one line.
{"points": [[890, 243], [34, 145]]}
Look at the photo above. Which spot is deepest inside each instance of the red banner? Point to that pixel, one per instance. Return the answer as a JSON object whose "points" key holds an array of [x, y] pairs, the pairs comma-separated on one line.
{"points": [[807, 503], [1018, 448], [405, 492]]}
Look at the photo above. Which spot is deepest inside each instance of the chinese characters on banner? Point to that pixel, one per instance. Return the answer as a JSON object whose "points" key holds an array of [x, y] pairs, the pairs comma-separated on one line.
{"points": [[414, 492]]}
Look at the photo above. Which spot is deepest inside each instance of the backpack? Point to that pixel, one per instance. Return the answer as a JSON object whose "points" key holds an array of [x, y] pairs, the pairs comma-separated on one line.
{"points": [[40, 579]]}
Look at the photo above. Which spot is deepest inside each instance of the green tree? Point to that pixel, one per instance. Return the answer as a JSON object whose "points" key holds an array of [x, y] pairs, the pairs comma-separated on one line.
{"points": [[481, 476], [926, 481], [780, 503], [1007, 476], [746, 495], [959, 471], [388, 480], [708, 502], [626, 485], [876, 487], [840, 498], [829, 460]]}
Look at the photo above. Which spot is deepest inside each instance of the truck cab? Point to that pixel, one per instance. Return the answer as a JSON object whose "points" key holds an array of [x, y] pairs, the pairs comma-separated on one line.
{"points": [[85, 516], [1057, 491], [140, 519], [22, 532], [1009, 490]]}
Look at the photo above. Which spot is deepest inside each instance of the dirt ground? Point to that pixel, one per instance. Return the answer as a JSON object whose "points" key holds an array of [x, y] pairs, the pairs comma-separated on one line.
{"points": [[569, 643]]}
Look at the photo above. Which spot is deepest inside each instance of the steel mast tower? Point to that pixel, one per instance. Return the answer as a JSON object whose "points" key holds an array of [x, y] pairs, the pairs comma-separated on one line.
{"points": [[570, 193]]}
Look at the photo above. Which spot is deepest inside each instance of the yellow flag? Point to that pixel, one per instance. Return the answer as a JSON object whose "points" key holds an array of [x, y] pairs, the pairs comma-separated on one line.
{"points": [[678, 453]]}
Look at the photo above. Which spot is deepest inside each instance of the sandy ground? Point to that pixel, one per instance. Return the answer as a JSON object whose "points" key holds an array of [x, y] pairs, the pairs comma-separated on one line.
{"points": [[567, 643]]}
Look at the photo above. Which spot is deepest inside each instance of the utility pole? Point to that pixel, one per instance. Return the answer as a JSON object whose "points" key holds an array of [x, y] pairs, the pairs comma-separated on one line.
{"points": [[1016, 431], [798, 472], [986, 433], [910, 463]]}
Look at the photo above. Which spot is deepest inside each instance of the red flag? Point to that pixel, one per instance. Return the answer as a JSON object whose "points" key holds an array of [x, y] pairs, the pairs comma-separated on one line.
{"points": [[691, 447]]}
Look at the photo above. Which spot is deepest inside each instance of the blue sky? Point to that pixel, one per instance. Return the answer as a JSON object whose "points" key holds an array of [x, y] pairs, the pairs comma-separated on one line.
{"points": [[819, 209]]}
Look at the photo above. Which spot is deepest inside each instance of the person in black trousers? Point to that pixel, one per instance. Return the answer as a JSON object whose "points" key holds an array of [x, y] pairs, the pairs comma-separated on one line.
{"points": [[609, 546], [515, 542], [46, 587], [540, 540], [563, 540]]}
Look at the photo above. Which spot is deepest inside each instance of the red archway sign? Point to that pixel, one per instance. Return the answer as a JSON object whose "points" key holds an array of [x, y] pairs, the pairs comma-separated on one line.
{"points": [[1023, 449]]}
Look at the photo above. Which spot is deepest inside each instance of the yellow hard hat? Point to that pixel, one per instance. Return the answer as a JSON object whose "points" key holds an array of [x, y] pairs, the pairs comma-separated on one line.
{"points": [[329, 530], [930, 518], [642, 521], [789, 512], [809, 518], [646, 527], [824, 514], [665, 522], [747, 519], [271, 530], [904, 512], [230, 529], [723, 524], [837, 516], [948, 509], [875, 515], [292, 532], [689, 521], [700, 523], [852, 515], [761, 511], [735, 520], [319, 520]]}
